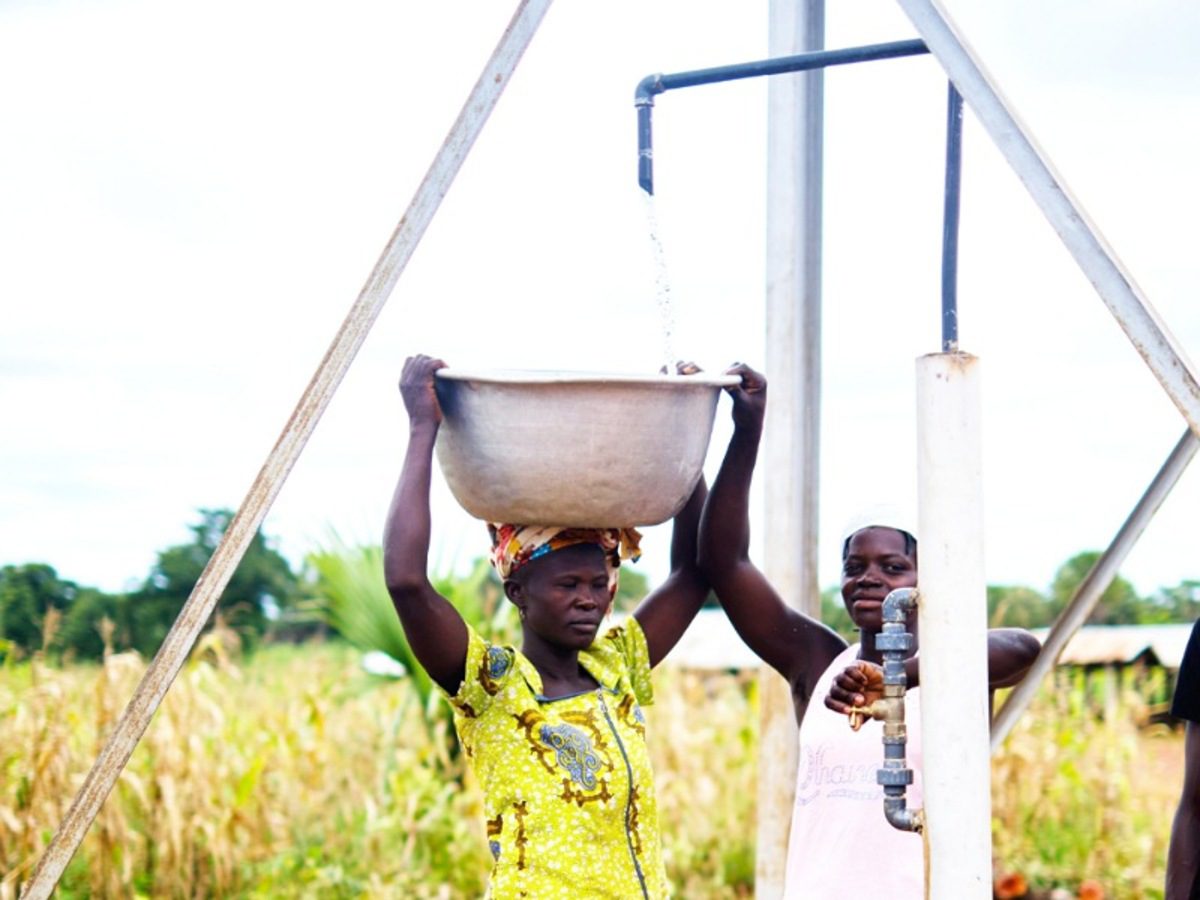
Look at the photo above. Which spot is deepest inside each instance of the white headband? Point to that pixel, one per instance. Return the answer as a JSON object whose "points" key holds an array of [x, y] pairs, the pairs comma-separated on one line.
{"points": [[881, 516]]}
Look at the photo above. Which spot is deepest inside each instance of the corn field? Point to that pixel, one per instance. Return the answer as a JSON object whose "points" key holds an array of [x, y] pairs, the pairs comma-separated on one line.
{"points": [[295, 774], [1086, 787]]}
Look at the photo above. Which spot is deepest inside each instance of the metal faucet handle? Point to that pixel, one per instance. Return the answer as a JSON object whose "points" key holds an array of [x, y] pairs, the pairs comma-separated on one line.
{"points": [[858, 715]]}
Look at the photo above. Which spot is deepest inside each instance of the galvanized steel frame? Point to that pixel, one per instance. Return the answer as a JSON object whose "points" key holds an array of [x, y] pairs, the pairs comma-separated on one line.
{"points": [[328, 376], [1113, 283], [1094, 584], [1116, 287]]}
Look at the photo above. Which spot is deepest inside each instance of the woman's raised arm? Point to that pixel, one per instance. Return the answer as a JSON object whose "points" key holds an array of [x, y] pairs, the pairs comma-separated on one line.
{"points": [[670, 609], [434, 628], [797, 647]]}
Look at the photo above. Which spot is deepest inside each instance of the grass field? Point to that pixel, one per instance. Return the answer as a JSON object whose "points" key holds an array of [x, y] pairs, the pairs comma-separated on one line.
{"points": [[295, 774]]}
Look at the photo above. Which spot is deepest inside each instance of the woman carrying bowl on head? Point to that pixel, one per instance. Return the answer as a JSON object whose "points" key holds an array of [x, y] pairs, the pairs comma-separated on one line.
{"points": [[554, 730], [840, 846]]}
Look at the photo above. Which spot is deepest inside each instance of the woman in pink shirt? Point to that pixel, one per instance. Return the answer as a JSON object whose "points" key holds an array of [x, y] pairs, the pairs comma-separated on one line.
{"points": [[841, 846]]}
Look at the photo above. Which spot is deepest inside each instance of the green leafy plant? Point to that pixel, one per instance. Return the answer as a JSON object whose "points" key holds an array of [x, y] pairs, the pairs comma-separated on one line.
{"points": [[352, 598]]}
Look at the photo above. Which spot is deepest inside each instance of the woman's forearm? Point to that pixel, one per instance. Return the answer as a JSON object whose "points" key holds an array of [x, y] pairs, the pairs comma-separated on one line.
{"points": [[1011, 651], [406, 535], [685, 530], [726, 526]]}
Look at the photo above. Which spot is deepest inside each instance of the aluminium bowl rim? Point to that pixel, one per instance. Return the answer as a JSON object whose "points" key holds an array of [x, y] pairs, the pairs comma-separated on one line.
{"points": [[556, 376]]}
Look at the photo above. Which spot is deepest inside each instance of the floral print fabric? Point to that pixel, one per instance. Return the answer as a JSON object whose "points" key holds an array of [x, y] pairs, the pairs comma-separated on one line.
{"points": [[568, 792], [515, 545]]}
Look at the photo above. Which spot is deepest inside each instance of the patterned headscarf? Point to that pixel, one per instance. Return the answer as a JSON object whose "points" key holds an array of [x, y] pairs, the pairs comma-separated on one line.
{"points": [[514, 546]]}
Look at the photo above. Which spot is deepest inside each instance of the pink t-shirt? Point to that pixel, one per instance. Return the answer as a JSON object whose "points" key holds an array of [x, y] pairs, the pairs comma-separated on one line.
{"points": [[841, 846]]}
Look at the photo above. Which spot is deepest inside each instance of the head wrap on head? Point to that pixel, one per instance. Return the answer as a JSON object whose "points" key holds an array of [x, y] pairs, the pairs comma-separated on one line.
{"points": [[881, 516], [514, 546]]}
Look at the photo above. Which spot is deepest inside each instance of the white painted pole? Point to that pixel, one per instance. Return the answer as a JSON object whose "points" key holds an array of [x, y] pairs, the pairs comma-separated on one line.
{"points": [[1094, 584], [793, 362], [180, 639], [952, 627], [1116, 287]]}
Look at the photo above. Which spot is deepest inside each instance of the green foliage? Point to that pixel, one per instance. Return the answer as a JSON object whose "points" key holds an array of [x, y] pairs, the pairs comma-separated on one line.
{"points": [[1016, 606], [479, 598], [1078, 790], [352, 598], [27, 594], [1023, 607], [1118, 605], [834, 614], [82, 631], [1178, 604], [632, 589], [263, 580], [39, 610]]}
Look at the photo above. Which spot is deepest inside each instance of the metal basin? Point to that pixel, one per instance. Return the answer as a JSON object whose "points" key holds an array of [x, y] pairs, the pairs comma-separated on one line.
{"points": [[574, 449]]}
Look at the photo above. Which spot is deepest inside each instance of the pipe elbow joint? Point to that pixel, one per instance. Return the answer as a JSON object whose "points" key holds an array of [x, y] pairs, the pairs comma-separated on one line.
{"points": [[647, 88], [899, 816], [899, 603]]}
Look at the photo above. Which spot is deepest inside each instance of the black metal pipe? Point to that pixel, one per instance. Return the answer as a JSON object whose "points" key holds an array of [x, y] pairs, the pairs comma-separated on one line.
{"points": [[645, 149], [954, 123], [816, 59], [652, 85]]}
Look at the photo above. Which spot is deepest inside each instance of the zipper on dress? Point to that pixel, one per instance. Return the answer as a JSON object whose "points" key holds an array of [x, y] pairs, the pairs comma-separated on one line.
{"points": [[637, 867]]}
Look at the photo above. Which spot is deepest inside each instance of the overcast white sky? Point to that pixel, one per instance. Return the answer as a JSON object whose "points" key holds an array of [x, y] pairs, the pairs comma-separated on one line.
{"points": [[191, 196]]}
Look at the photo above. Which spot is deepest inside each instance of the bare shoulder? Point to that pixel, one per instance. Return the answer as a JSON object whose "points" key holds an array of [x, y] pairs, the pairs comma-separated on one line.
{"points": [[822, 645], [805, 648]]}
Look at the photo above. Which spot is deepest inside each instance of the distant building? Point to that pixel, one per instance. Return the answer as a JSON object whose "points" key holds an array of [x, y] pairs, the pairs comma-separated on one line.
{"points": [[1125, 645], [711, 643]]}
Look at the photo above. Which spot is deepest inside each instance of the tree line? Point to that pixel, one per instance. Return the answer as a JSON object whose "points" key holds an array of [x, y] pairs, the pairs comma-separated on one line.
{"points": [[39, 611], [1019, 606], [267, 599]]}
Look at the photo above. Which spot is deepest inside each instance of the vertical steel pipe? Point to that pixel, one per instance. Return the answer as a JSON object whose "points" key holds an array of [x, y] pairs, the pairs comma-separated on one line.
{"points": [[179, 640], [954, 127], [795, 141], [952, 624]]}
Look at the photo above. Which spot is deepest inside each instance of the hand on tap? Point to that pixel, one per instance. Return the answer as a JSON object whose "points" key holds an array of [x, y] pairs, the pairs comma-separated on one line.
{"points": [[855, 690]]}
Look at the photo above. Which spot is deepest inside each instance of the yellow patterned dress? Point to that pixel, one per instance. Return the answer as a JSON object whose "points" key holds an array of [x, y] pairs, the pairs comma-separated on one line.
{"points": [[568, 791]]}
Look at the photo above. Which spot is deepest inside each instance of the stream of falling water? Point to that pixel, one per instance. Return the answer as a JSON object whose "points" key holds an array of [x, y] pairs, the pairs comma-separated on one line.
{"points": [[662, 288]]}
